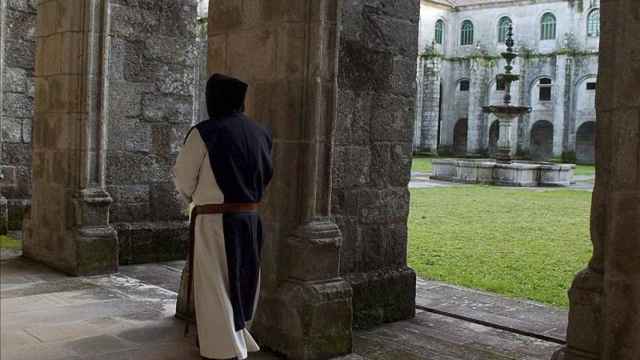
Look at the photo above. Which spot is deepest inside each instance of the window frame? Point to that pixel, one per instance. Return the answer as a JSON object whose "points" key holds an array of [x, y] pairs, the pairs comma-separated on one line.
{"points": [[593, 25], [438, 36], [503, 29], [467, 33], [547, 88], [468, 85], [548, 26]]}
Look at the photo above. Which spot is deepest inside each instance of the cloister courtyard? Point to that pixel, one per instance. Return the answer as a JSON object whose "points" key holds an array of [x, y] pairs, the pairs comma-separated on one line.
{"points": [[372, 251]]}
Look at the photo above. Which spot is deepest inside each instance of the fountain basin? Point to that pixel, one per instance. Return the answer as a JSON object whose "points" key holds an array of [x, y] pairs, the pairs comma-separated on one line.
{"points": [[516, 173]]}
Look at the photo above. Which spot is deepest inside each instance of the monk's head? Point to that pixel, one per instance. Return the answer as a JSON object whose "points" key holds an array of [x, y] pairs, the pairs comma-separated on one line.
{"points": [[225, 95]]}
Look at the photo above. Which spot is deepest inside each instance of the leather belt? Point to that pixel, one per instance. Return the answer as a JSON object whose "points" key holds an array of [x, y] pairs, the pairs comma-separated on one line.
{"points": [[231, 208]]}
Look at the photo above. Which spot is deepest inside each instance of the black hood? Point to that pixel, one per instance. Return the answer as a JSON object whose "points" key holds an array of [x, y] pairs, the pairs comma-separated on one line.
{"points": [[225, 95]]}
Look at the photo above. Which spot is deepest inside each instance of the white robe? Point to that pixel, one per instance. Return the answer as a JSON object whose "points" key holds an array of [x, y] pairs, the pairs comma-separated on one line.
{"points": [[195, 181]]}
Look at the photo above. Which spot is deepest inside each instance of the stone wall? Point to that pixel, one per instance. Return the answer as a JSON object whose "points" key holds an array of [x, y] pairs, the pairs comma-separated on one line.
{"points": [[374, 131], [17, 52], [150, 109]]}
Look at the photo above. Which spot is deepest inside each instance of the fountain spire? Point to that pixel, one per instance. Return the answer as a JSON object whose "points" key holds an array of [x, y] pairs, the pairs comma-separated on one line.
{"points": [[506, 113]]}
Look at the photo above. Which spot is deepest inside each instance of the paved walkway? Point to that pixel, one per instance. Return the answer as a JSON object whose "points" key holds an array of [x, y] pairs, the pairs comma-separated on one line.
{"points": [[48, 316]]}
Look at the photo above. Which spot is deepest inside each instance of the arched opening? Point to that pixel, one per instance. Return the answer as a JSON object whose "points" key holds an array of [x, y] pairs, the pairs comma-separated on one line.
{"points": [[460, 137], [494, 135], [541, 147], [585, 143]]}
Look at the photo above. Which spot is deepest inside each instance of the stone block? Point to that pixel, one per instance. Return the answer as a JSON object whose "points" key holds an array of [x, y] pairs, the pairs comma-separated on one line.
{"points": [[171, 49], [350, 251], [20, 25], [392, 118], [353, 123], [275, 103], [244, 46], [165, 108], [166, 203], [139, 168], [175, 80], [408, 10], [11, 130], [225, 15], [15, 80], [291, 45], [352, 166], [130, 203], [145, 242], [20, 54], [363, 69], [403, 80], [125, 99], [382, 297], [283, 11], [16, 154], [383, 206], [395, 36], [22, 5], [17, 105], [217, 54]]}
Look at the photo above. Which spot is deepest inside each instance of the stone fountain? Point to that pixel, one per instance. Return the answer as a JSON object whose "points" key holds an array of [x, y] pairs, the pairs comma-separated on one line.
{"points": [[503, 170]]}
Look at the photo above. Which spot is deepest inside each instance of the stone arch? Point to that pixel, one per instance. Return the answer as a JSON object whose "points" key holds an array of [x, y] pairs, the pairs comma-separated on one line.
{"points": [[541, 147], [585, 143], [460, 137], [494, 135]]}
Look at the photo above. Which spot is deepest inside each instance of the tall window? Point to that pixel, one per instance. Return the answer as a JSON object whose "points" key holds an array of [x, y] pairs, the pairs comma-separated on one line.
{"points": [[548, 27], [503, 29], [593, 23], [439, 38], [545, 89], [466, 33]]}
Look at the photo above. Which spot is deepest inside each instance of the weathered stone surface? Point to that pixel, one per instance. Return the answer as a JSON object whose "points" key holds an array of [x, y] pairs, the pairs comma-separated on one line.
{"points": [[376, 103]]}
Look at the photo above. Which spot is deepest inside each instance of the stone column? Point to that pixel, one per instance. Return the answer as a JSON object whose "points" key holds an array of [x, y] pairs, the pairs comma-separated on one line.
{"points": [[4, 218], [559, 112], [477, 93], [69, 226], [604, 318], [430, 115], [286, 51]]}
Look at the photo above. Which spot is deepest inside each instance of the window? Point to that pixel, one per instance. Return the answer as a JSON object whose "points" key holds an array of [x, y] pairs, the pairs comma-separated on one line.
{"points": [[593, 23], [466, 33], [503, 29], [591, 86], [464, 85], [439, 36], [501, 85], [548, 27], [545, 89]]}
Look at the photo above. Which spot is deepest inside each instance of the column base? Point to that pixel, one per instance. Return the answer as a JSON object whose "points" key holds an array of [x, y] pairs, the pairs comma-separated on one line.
{"points": [[585, 318], [383, 296], [307, 320]]}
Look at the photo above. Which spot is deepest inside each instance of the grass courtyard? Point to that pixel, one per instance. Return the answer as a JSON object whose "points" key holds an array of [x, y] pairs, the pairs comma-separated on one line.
{"points": [[7, 242], [521, 243]]}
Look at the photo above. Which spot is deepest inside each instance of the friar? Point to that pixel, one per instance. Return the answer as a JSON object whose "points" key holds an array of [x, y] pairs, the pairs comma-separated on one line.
{"points": [[223, 170]]}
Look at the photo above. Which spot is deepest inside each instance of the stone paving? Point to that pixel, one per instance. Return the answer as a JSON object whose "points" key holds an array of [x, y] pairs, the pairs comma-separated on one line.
{"points": [[130, 315]]}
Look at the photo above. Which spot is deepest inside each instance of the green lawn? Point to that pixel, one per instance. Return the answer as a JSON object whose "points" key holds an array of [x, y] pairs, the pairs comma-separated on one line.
{"points": [[585, 170], [421, 164], [520, 243], [9, 243]]}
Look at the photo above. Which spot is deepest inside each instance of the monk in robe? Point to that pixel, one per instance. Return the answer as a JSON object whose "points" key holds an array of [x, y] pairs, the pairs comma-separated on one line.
{"points": [[225, 166]]}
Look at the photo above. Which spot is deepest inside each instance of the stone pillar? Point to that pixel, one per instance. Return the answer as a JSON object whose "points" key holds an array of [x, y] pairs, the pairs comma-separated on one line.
{"points": [[476, 118], [430, 115], [604, 318], [4, 219], [559, 111], [286, 51], [69, 222], [372, 162]]}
